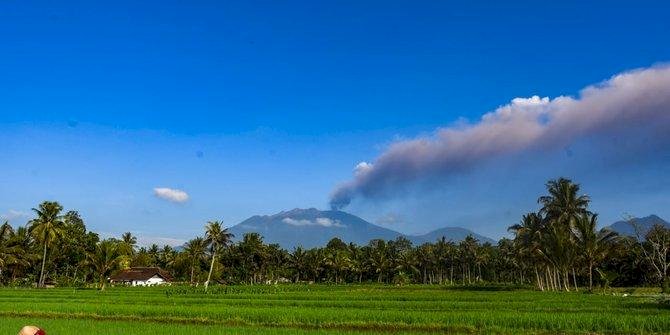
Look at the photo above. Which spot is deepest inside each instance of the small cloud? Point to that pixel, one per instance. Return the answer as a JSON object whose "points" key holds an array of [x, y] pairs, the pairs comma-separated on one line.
{"points": [[171, 194], [12, 215], [323, 222], [361, 168], [326, 222]]}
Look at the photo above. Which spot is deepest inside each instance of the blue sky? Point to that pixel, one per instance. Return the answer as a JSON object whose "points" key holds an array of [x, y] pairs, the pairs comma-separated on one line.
{"points": [[256, 107]]}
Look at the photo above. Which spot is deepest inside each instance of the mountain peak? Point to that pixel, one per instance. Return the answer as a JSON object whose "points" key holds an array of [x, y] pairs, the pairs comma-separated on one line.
{"points": [[312, 227], [644, 224], [298, 211]]}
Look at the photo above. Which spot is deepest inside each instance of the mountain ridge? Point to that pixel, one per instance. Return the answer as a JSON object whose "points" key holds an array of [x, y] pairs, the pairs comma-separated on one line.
{"points": [[624, 227], [314, 228]]}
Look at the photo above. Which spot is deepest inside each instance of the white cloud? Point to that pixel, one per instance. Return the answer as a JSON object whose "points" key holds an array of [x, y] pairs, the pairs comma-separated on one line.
{"points": [[362, 168], [12, 215], [171, 194], [323, 222]]}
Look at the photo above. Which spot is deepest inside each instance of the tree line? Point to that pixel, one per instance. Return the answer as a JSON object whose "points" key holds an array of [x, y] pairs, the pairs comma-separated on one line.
{"points": [[558, 247]]}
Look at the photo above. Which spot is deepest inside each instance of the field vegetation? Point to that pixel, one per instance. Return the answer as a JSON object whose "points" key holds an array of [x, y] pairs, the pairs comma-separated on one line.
{"points": [[331, 309]]}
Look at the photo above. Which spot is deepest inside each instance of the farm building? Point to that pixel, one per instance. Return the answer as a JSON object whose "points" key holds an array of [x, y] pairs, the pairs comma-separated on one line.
{"points": [[141, 276]]}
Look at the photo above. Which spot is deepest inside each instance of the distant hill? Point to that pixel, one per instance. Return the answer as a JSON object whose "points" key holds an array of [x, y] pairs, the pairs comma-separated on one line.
{"points": [[645, 224], [314, 228], [455, 234]]}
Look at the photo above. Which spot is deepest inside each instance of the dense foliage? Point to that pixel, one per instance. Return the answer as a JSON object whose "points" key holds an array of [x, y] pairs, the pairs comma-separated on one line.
{"points": [[556, 248]]}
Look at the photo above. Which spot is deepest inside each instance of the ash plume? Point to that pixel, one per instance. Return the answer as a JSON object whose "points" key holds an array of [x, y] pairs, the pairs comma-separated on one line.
{"points": [[638, 99]]}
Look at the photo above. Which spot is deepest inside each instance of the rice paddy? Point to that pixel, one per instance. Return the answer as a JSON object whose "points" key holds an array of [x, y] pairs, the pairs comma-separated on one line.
{"points": [[323, 309]]}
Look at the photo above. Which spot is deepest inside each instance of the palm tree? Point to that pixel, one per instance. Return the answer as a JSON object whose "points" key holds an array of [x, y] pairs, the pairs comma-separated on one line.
{"points": [[559, 250], [167, 257], [561, 209], [563, 205], [104, 260], [10, 254], [276, 262], [313, 264], [47, 228], [426, 261], [154, 254], [129, 242], [469, 253], [216, 237], [594, 245], [195, 249], [254, 256], [6, 231], [508, 262], [482, 258], [442, 256], [338, 261], [22, 242], [406, 263], [528, 241], [297, 261], [357, 264], [378, 260]]}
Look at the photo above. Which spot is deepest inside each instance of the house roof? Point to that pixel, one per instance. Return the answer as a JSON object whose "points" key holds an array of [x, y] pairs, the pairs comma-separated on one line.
{"points": [[140, 273]]}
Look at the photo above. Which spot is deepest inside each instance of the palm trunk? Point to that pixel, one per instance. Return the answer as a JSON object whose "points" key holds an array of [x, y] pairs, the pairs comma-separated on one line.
{"points": [[192, 273], [590, 277], [546, 279], [566, 280], [211, 267], [537, 276], [44, 260], [555, 279]]}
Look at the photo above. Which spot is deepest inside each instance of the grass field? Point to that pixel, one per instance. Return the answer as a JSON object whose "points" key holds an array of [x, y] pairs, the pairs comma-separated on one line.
{"points": [[316, 309]]}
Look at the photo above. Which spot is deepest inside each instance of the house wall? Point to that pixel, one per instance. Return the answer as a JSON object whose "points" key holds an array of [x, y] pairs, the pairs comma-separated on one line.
{"points": [[155, 280]]}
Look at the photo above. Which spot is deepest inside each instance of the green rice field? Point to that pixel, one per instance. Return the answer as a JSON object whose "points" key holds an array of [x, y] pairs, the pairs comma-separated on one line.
{"points": [[322, 309]]}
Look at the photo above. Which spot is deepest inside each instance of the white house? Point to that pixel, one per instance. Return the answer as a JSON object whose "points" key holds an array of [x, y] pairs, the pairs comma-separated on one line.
{"points": [[141, 276]]}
